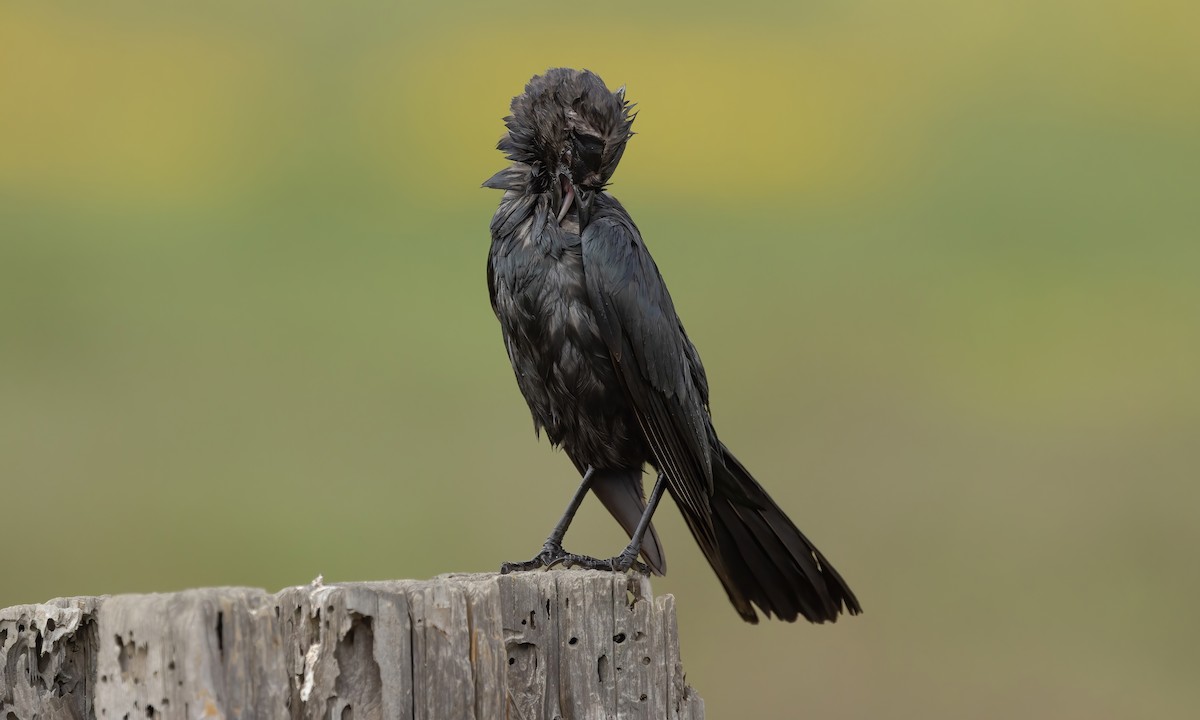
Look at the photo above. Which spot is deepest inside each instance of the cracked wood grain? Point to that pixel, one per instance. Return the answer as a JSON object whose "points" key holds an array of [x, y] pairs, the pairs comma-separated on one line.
{"points": [[569, 645]]}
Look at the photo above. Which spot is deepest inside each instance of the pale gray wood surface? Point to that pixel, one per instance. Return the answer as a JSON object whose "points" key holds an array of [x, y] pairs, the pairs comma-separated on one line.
{"points": [[569, 645]]}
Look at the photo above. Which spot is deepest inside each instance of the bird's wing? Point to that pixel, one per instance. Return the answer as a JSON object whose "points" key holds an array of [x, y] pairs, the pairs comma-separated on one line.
{"points": [[657, 364]]}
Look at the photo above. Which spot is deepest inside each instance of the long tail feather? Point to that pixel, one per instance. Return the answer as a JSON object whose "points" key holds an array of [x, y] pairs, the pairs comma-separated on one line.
{"points": [[762, 558]]}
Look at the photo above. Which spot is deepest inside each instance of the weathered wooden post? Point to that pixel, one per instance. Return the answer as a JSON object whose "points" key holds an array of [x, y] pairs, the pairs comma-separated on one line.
{"points": [[560, 644]]}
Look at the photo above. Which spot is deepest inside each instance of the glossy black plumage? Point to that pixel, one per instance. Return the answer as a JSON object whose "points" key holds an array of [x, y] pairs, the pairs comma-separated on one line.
{"points": [[604, 362]]}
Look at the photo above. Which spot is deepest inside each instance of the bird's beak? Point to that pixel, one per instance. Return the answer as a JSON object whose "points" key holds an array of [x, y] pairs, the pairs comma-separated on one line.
{"points": [[580, 198], [568, 196]]}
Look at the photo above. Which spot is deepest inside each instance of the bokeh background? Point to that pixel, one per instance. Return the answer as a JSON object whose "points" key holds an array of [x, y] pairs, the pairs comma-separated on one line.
{"points": [[940, 258]]}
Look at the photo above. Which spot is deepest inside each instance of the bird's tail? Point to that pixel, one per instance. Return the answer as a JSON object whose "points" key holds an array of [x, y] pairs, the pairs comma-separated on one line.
{"points": [[621, 493], [762, 558]]}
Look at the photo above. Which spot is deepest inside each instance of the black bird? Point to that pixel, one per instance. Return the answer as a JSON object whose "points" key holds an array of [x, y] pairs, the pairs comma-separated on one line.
{"points": [[607, 369]]}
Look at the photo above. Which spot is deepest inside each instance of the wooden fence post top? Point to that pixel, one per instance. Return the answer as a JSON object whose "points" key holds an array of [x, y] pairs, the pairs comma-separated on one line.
{"points": [[564, 644]]}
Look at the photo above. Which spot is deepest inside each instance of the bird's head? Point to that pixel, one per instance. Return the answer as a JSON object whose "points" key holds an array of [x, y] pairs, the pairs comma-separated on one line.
{"points": [[571, 131]]}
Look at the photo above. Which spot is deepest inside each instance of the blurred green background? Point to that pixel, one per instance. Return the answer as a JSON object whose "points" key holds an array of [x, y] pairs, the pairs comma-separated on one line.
{"points": [[940, 258]]}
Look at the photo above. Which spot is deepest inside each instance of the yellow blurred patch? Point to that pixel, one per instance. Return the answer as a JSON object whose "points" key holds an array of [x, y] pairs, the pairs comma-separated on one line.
{"points": [[745, 111], [118, 113]]}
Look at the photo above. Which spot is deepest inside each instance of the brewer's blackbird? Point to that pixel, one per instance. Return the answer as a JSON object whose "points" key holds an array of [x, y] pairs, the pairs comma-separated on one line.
{"points": [[608, 370]]}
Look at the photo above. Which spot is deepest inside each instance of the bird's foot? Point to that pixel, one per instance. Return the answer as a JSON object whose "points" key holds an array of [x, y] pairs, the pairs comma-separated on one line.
{"points": [[551, 554]]}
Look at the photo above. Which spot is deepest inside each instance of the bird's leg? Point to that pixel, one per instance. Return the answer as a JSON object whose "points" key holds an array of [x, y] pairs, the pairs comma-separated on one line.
{"points": [[628, 558], [552, 550]]}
